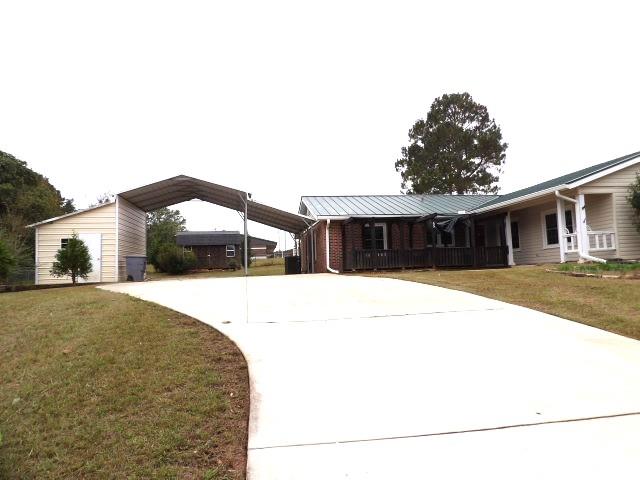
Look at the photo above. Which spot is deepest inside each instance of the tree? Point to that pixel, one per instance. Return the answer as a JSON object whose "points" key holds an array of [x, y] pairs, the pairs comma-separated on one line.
{"points": [[7, 260], [102, 199], [72, 260], [25, 197], [162, 227], [457, 149], [634, 199]]}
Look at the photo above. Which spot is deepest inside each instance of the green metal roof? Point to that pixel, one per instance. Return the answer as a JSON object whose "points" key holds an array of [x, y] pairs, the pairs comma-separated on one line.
{"points": [[557, 182], [389, 205], [418, 205]]}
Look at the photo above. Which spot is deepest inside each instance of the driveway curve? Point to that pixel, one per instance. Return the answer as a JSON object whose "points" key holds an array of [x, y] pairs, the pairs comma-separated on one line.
{"points": [[374, 378]]}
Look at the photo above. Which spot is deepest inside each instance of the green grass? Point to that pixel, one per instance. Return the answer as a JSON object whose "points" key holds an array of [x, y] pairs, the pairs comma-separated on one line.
{"points": [[609, 304], [101, 385], [269, 266], [613, 268]]}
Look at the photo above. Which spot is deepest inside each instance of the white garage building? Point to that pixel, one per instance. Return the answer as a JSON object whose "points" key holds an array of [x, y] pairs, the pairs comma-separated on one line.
{"points": [[114, 230]]}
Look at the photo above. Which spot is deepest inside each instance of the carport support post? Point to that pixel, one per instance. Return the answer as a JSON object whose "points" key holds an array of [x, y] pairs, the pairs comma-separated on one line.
{"points": [[246, 242]]}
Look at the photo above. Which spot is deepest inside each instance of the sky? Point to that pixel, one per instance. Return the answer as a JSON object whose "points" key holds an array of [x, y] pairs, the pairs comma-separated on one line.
{"points": [[284, 99]]}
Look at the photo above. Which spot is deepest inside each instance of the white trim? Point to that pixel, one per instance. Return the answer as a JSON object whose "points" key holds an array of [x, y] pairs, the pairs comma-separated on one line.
{"points": [[227, 250], [517, 200], [35, 278], [582, 229], [49, 220], [605, 172], [117, 277], [565, 186], [508, 238], [560, 216], [384, 233], [543, 222]]}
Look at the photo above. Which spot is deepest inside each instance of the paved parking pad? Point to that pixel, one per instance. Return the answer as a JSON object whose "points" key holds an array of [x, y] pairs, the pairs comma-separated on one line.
{"points": [[360, 377]]}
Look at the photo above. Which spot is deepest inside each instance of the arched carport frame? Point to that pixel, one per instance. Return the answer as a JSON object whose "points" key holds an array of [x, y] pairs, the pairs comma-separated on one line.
{"points": [[183, 188]]}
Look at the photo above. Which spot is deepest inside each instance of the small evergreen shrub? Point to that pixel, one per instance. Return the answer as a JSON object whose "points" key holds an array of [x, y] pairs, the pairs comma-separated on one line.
{"points": [[173, 260]]}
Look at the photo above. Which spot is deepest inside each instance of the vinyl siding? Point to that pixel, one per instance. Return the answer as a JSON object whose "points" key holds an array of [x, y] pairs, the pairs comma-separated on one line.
{"points": [[532, 250], [132, 234], [627, 236], [98, 220]]}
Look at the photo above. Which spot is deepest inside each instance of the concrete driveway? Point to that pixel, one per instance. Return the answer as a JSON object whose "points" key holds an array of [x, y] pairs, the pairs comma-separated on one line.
{"points": [[372, 378]]}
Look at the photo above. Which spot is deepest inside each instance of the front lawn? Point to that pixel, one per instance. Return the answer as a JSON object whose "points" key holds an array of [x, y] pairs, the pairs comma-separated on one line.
{"points": [[609, 304], [101, 385]]}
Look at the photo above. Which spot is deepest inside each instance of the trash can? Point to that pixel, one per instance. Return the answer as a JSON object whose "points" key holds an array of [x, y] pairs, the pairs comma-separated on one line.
{"points": [[291, 265], [136, 267]]}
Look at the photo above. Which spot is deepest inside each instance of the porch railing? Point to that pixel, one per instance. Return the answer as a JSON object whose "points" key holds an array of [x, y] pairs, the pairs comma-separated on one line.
{"points": [[598, 240], [424, 258]]}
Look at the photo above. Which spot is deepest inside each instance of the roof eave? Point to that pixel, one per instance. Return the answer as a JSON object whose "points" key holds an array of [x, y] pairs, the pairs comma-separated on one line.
{"points": [[54, 219]]}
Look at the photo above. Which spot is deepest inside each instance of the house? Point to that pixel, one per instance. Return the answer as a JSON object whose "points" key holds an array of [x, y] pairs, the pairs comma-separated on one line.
{"points": [[261, 248], [582, 215], [117, 229], [216, 249]]}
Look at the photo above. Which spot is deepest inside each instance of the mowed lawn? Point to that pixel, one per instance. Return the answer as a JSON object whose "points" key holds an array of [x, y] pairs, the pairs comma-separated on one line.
{"points": [[102, 385], [610, 304]]}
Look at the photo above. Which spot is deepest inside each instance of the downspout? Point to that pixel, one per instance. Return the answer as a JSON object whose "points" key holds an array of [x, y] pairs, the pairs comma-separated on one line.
{"points": [[329, 269], [581, 247]]}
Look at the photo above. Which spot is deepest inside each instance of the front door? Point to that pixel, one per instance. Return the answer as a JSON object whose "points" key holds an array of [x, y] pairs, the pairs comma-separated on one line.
{"points": [[93, 241]]}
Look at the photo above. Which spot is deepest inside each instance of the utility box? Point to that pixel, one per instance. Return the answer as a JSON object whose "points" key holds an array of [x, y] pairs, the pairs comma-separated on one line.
{"points": [[136, 267], [291, 265]]}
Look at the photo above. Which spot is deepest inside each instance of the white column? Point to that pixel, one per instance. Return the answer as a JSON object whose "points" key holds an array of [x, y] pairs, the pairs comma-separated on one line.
{"points": [[582, 219], [561, 226], [507, 236], [578, 215], [246, 243]]}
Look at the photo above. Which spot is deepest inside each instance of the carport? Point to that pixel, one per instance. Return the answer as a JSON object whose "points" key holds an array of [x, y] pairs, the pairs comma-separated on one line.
{"points": [[116, 230], [183, 188]]}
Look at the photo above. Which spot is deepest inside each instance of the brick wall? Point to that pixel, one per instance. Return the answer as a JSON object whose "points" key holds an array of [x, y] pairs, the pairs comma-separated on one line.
{"points": [[335, 245]]}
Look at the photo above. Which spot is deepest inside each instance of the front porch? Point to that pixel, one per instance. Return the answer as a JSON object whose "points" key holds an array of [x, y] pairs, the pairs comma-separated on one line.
{"points": [[453, 241], [449, 257]]}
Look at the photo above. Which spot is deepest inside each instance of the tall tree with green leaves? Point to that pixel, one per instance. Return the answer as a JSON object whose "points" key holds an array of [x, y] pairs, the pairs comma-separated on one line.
{"points": [[25, 197], [72, 260], [457, 149], [162, 227], [7, 260]]}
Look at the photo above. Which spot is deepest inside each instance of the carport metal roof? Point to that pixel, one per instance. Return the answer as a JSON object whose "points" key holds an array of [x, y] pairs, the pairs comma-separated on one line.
{"points": [[183, 188]]}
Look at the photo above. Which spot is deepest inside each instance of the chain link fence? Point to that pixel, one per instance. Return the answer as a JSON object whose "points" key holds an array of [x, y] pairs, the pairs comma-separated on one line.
{"points": [[22, 276]]}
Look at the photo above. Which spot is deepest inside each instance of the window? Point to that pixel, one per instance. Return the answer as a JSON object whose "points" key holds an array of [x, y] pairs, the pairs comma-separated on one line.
{"points": [[187, 248], [63, 243], [550, 225], [231, 250], [380, 236], [515, 235], [551, 229]]}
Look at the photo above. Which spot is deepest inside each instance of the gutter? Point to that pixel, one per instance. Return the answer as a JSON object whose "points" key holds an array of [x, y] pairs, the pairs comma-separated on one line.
{"points": [[581, 254], [327, 248]]}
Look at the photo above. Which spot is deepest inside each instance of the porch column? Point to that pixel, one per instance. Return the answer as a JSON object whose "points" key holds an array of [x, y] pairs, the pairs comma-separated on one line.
{"points": [[472, 242], [578, 214], [561, 226], [430, 226], [509, 239], [584, 232], [374, 252]]}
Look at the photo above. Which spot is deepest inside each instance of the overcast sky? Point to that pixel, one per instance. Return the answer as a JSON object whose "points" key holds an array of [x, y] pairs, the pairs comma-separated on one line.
{"points": [[301, 98]]}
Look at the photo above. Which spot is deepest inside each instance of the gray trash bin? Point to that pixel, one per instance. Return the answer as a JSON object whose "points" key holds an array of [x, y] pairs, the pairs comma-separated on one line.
{"points": [[136, 266]]}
